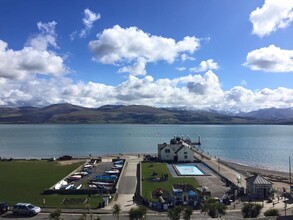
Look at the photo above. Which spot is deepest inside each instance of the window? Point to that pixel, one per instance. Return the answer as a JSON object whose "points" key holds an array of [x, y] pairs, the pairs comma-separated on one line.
{"points": [[185, 152], [167, 151]]}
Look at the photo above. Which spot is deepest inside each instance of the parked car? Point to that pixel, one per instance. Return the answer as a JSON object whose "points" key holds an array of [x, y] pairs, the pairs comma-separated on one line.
{"points": [[3, 207], [25, 209]]}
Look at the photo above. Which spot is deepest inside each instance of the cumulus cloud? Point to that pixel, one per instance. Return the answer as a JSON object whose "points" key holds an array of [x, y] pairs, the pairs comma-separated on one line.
{"points": [[119, 46], [205, 66], [137, 69], [88, 20], [270, 59], [272, 16], [192, 91], [34, 58], [46, 37]]}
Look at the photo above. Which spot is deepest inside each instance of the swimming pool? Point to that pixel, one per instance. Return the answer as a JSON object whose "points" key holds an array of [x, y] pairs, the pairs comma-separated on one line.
{"points": [[188, 170]]}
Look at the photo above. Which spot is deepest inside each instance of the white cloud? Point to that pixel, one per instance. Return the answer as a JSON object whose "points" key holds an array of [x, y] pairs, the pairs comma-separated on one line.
{"points": [[137, 69], [205, 66], [192, 91], [270, 59], [129, 45], [46, 38], [88, 20], [34, 58], [185, 57], [272, 16], [181, 68]]}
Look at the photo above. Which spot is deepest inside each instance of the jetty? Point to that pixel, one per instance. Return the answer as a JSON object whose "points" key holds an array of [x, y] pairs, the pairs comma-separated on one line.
{"points": [[218, 167]]}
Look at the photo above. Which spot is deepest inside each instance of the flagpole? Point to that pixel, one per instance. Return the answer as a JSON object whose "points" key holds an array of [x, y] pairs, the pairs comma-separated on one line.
{"points": [[290, 173]]}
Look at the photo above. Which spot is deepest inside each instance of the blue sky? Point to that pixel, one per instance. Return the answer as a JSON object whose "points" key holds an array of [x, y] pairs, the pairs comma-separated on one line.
{"points": [[226, 55]]}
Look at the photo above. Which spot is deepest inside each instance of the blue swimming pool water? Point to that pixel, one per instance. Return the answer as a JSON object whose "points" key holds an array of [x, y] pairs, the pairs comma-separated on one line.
{"points": [[188, 169]]}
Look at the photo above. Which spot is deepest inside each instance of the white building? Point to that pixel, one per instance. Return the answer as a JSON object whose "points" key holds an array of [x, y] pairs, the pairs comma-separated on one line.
{"points": [[175, 152]]}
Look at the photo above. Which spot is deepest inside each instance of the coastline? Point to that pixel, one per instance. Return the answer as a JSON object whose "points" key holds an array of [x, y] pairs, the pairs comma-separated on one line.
{"points": [[279, 178]]}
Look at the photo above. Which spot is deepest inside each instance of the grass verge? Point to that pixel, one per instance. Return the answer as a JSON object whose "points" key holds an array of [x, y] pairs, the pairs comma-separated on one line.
{"points": [[25, 181]]}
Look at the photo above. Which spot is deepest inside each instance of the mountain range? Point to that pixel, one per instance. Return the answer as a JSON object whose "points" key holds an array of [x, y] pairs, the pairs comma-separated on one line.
{"points": [[137, 114]]}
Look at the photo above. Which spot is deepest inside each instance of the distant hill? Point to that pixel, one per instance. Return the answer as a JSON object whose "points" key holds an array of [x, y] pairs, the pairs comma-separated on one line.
{"points": [[277, 115], [134, 114]]}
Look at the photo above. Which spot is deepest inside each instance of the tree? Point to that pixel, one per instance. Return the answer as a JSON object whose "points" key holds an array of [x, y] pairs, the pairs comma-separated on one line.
{"points": [[174, 213], [56, 215], [251, 210], [272, 212], [187, 212], [213, 208], [137, 213], [116, 210]]}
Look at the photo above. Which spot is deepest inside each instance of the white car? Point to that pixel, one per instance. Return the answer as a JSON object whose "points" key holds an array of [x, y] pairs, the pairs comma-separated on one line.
{"points": [[25, 209]]}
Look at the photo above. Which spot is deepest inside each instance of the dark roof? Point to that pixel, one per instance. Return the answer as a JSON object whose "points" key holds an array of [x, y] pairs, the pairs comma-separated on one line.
{"points": [[258, 179], [179, 149]]}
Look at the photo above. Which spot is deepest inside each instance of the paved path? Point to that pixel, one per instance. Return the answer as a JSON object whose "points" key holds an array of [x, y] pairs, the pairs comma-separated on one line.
{"points": [[127, 185]]}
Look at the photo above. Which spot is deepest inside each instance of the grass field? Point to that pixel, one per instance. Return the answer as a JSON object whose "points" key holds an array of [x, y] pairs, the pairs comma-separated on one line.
{"points": [[25, 181], [148, 186]]}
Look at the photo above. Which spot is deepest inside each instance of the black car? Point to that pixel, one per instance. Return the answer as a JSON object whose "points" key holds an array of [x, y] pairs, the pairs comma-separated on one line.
{"points": [[3, 207]]}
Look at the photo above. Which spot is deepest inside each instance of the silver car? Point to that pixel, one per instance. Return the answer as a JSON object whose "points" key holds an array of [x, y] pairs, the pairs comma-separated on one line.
{"points": [[25, 209]]}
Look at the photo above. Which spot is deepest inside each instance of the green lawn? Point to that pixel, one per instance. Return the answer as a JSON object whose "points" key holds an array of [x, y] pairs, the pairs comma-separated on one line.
{"points": [[149, 186], [25, 181]]}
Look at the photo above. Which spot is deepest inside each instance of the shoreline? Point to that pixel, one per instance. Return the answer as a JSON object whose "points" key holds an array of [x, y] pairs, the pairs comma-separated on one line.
{"points": [[279, 178]]}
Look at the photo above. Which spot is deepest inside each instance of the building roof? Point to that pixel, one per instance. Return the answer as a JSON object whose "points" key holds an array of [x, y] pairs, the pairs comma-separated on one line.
{"points": [[258, 179], [178, 149]]}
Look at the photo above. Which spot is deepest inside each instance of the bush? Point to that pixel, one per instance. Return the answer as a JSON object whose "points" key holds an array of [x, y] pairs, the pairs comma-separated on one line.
{"points": [[137, 213], [272, 212], [56, 215], [251, 210], [174, 213]]}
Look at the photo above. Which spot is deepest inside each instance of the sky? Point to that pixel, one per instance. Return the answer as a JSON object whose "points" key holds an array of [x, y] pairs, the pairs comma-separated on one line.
{"points": [[196, 54]]}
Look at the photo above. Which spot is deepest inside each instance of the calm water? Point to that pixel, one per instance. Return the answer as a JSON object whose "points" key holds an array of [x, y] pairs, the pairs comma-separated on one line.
{"points": [[259, 145]]}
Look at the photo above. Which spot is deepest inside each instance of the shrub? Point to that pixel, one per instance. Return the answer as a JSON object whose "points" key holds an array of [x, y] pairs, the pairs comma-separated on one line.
{"points": [[251, 210], [56, 215], [272, 212]]}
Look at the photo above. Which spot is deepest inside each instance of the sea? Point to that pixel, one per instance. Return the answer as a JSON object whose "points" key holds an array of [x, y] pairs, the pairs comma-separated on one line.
{"points": [[264, 146]]}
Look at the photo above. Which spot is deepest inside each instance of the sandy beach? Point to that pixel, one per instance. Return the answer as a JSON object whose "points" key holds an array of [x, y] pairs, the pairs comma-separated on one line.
{"points": [[280, 179]]}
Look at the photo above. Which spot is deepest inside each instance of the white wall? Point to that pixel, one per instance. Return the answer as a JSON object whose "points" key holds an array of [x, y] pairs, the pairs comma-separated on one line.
{"points": [[185, 152]]}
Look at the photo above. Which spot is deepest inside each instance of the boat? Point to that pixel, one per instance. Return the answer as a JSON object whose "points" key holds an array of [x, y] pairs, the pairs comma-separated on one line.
{"points": [[79, 186], [61, 184], [102, 183], [112, 171], [106, 177], [119, 162], [118, 165], [92, 186], [74, 177], [82, 173], [70, 186]]}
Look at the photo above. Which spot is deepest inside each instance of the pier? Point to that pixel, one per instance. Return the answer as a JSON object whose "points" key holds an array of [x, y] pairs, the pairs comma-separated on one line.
{"points": [[219, 168]]}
